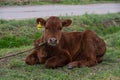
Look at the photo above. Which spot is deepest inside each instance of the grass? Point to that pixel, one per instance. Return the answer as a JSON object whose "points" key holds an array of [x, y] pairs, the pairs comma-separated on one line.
{"points": [[23, 32], [42, 2], [14, 68], [17, 33]]}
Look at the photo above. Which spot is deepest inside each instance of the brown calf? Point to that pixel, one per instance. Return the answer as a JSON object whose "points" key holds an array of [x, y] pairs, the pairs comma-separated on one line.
{"points": [[77, 49]]}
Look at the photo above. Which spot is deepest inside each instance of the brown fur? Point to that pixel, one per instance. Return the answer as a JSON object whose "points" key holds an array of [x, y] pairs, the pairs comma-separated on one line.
{"points": [[77, 49]]}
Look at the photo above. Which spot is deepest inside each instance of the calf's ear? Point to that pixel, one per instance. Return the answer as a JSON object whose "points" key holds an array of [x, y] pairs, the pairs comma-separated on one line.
{"points": [[66, 22], [41, 21]]}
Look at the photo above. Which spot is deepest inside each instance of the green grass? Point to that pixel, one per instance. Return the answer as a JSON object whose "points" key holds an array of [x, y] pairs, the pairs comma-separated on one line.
{"points": [[43, 2], [19, 34], [23, 32]]}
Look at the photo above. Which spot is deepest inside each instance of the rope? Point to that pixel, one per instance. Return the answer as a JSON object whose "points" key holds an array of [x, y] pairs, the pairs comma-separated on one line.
{"points": [[41, 44]]}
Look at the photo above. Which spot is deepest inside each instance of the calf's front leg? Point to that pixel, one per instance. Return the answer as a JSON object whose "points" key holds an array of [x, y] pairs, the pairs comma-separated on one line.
{"points": [[61, 58], [32, 58], [56, 61]]}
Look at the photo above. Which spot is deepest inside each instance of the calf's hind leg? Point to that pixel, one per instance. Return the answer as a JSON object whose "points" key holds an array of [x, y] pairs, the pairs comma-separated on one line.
{"points": [[87, 56], [89, 62]]}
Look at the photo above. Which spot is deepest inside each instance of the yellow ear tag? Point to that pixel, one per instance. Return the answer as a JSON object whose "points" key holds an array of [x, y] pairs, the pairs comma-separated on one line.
{"points": [[39, 26]]}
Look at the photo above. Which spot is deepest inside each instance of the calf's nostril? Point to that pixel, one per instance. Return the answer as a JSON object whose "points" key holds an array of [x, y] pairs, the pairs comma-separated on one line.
{"points": [[53, 40]]}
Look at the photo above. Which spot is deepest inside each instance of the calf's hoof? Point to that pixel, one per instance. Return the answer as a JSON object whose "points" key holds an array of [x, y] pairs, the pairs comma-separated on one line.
{"points": [[50, 65], [29, 63], [72, 65]]}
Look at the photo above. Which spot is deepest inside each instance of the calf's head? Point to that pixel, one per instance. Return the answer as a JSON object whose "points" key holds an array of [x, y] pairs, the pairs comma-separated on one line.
{"points": [[53, 26]]}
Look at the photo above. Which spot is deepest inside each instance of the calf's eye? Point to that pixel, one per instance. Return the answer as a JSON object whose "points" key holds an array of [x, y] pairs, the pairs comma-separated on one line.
{"points": [[46, 28], [59, 28]]}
